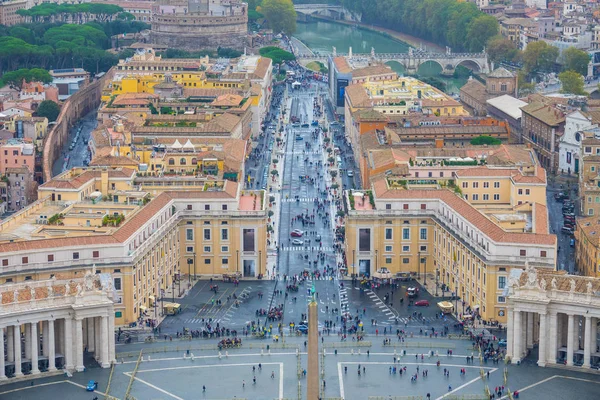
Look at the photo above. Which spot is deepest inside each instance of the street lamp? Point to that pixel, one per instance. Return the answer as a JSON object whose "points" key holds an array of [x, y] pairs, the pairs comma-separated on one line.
{"points": [[237, 262], [424, 271], [173, 288], [376, 257], [259, 261], [353, 263], [437, 277]]}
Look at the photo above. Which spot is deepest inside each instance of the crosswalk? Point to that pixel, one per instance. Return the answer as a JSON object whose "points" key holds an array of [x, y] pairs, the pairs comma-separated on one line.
{"points": [[301, 153], [326, 249], [343, 299], [301, 200], [190, 321]]}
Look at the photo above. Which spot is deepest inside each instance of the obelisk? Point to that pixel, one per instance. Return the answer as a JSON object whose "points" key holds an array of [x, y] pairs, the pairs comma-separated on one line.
{"points": [[312, 383]]}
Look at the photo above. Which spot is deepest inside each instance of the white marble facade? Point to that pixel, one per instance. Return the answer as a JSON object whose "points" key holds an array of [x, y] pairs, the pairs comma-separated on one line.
{"points": [[49, 325], [556, 313]]}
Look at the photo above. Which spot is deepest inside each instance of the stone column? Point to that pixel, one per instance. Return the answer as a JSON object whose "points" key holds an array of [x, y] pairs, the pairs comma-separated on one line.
{"points": [[68, 343], [49, 345], [543, 340], [560, 323], [530, 330], [518, 333], [79, 345], [587, 342], [97, 338], [2, 365], [10, 344], [27, 328], [60, 329], [91, 335], [570, 339], [552, 346], [594, 334], [44, 340], [35, 346], [111, 336], [509, 333], [104, 346], [17, 345]]}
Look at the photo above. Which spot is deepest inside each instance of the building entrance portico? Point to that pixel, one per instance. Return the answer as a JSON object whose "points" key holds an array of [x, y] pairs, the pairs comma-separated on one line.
{"points": [[48, 325], [556, 313]]}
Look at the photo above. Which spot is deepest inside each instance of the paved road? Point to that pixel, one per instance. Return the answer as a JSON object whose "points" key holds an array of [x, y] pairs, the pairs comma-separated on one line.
{"points": [[80, 154], [566, 255]]}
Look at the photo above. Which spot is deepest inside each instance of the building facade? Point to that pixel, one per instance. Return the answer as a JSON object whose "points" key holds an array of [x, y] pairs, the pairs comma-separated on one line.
{"points": [[555, 312], [59, 320], [439, 235], [543, 126]]}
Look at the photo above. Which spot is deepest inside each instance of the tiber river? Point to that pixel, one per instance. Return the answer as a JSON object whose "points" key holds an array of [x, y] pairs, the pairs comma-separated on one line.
{"points": [[322, 36]]}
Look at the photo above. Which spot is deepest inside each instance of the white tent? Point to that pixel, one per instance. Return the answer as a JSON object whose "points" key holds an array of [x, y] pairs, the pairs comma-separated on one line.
{"points": [[188, 146], [176, 145]]}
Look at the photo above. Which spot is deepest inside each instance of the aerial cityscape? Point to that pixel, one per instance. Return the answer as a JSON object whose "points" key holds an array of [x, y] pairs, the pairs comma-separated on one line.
{"points": [[299, 199]]}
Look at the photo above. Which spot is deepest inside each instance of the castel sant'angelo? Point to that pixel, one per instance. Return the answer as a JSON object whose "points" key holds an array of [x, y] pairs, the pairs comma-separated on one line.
{"points": [[200, 24]]}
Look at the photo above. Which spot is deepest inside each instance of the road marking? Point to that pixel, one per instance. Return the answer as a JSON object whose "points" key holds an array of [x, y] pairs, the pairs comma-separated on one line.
{"points": [[153, 386], [341, 379]]}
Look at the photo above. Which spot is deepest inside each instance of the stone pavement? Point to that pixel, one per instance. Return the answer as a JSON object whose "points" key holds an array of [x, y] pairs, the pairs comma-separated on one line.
{"points": [[167, 371]]}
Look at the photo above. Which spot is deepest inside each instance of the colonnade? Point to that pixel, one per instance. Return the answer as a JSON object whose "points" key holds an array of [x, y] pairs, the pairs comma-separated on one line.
{"points": [[562, 337], [55, 343]]}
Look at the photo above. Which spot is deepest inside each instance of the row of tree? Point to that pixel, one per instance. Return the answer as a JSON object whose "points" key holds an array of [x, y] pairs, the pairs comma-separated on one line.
{"points": [[80, 13], [60, 45], [458, 25]]}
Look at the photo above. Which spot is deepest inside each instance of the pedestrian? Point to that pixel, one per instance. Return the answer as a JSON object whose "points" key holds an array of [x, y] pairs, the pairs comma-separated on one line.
{"points": [[272, 374], [203, 388], [254, 380], [243, 383], [449, 388]]}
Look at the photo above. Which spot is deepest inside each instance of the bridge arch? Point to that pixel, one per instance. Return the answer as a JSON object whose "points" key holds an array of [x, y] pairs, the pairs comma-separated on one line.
{"points": [[470, 64], [398, 66], [430, 62]]}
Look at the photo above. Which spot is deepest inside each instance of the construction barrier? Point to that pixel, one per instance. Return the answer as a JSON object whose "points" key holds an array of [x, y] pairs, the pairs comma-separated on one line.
{"points": [[423, 345], [362, 343]]}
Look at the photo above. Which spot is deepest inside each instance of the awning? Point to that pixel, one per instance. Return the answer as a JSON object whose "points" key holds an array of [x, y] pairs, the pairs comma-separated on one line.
{"points": [[143, 308], [151, 298]]}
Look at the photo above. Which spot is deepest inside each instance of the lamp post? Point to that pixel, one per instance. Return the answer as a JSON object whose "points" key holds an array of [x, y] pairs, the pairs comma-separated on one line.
{"points": [[353, 263], [376, 257], [173, 288], [419, 265], [259, 261], [237, 262], [437, 277], [425, 272]]}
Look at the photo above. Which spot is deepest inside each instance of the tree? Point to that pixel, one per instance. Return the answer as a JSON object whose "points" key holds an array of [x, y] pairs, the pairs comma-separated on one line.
{"points": [[16, 78], [48, 109], [575, 60], [572, 83], [280, 14], [500, 49], [276, 54], [485, 140], [479, 31], [539, 57]]}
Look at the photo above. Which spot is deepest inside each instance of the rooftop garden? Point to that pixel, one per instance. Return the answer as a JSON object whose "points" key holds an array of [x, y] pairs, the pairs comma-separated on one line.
{"points": [[113, 220]]}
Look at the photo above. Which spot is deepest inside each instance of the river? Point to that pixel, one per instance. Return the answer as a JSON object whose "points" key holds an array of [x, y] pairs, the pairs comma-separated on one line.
{"points": [[321, 36]]}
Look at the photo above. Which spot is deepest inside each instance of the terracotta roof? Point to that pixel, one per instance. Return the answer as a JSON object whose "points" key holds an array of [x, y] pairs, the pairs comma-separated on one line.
{"points": [[592, 115], [342, 65], [484, 171], [209, 92], [134, 99], [540, 216], [128, 228], [545, 113], [227, 100], [442, 130], [501, 73], [369, 115], [65, 181], [371, 71], [262, 67], [475, 89], [113, 161], [466, 210], [358, 96]]}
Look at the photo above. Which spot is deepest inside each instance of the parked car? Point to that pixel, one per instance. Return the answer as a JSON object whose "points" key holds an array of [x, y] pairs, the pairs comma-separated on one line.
{"points": [[350, 173], [502, 343], [297, 242], [91, 386], [567, 230], [422, 303], [297, 233], [412, 291], [572, 243], [560, 197], [305, 125]]}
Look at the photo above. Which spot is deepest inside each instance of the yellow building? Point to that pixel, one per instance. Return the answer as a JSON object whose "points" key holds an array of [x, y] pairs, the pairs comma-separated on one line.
{"points": [[88, 219], [587, 246], [435, 233]]}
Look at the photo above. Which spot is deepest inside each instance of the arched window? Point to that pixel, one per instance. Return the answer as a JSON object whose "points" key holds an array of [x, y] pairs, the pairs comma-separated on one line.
{"points": [[182, 161], [194, 161], [171, 161]]}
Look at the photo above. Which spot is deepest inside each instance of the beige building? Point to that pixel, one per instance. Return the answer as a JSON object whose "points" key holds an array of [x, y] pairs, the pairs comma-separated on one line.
{"points": [[8, 11], [104, 218], [461, 247], [587, 246]]}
